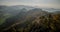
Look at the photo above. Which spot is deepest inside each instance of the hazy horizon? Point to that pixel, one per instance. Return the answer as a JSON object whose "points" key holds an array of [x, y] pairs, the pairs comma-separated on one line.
{"points": [[38, 3]]}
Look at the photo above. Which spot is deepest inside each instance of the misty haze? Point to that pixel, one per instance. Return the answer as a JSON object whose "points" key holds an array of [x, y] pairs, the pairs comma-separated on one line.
{"points": [[29, 15]]}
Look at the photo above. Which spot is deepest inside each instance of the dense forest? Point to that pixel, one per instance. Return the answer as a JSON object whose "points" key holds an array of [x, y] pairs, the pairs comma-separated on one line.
{"points": [[28, 19]]}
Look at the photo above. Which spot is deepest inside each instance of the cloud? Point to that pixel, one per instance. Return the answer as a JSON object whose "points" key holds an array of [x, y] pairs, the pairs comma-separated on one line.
{"points": [[40, 3]]}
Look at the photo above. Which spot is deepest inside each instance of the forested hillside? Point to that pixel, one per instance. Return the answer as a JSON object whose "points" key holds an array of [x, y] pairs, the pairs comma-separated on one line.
{"points": [[28, 19]]}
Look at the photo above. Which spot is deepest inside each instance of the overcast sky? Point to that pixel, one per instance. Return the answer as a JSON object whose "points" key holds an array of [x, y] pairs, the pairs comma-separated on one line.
{"points": [[39, 3]]}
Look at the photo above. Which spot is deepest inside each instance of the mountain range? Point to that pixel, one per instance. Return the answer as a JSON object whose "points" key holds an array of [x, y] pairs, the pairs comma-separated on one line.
{"points": [[28, 19]]}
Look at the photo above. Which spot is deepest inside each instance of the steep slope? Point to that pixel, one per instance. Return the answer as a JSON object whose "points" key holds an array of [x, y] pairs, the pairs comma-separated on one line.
{"points": [[22, 17], [45, 23], [34, 20]]}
